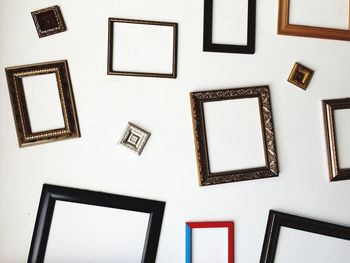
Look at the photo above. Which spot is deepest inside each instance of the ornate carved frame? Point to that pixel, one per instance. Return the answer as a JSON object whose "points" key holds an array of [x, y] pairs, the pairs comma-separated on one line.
{"points": [[200, 137], [19, 106], [329, 106], [277, 220]]}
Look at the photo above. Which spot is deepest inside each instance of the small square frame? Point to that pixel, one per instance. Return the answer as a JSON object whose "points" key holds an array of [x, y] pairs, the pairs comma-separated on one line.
{"points": [[300, 76], [135, 138], [329, 106], [48, 21], [111, 71], [19, 106], [219, 224]]}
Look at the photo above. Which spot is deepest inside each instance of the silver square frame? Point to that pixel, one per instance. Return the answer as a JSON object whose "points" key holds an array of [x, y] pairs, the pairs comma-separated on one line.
{"points": [[135, 138]]}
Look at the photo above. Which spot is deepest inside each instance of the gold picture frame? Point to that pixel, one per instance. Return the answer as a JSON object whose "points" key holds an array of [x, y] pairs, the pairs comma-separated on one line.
{"points": [[300, 76]]}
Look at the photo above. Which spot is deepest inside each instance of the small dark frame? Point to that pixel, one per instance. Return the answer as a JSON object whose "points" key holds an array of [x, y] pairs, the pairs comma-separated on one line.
{"points": [[111, 71], [329, 106], [19, 106], [277, 220], [208, 45], [48, 21], [205, 176], [300, 76], [52, 193]]}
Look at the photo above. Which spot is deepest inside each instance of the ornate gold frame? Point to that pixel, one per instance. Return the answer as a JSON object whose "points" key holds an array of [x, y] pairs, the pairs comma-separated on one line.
{"points": [[300, 70]]}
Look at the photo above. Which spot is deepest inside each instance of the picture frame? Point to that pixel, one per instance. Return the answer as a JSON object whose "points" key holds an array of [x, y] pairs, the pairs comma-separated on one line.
{"points": [[19, 106], [135, 138], [218, 224], [111, 71], [48, 21], [206, 177], [276, 220], [329, 106], [209, 46], [300, 76], [285, 28], [52, 193]]}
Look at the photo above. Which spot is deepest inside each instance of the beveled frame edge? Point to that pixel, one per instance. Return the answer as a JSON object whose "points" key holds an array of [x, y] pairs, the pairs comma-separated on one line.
{"points": [[276, 220], [295, 68], [110, 50], [204, 176], [146, 136], [210, 224], [52, 193], [209, 46], [19, 108], [328, 107], [284, 28], [58, 15]]}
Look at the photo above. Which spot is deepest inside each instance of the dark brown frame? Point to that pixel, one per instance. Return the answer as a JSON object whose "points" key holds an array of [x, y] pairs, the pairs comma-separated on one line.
{"points": [[329, 106], [200, 137], [110, 70], [284, 28], [306, 73], [277, 220], [19, 106]]}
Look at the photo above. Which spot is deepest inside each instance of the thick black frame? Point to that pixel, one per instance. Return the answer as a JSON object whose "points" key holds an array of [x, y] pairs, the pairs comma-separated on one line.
{"points": [[208, 45], [277, 220], [52, 193]]}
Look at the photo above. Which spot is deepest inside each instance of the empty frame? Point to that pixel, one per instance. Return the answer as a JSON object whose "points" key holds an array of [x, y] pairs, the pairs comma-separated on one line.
{"points": [[234, 44], [234, 135], [142, 48], [337, 137], [42, 102], [287, 28], [142, 215]]}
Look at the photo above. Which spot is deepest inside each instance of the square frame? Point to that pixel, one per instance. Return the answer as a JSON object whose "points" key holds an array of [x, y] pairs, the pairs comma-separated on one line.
{"points": [[209, 46], [276, 220], [52, 193], [285, 28], [111, 71], [135, 138], [200, 137], [329, 106], [53, 21], [219, 224], [300, 70], [19, 106]]}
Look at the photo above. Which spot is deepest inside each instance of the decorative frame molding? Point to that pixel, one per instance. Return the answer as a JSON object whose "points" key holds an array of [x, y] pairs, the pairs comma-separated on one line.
{"points": [[221, 224], [300, 76], [51, 193], [329, 106], [200, 137], [285, 28], [111, 71], [135, 138], [19, 106], [208, 44], [277, 220]]}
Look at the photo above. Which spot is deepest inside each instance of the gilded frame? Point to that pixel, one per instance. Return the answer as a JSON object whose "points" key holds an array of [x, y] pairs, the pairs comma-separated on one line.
{"points": [[285, 28], [329, 106], [19, 106], [300, 76], [271, 164]]}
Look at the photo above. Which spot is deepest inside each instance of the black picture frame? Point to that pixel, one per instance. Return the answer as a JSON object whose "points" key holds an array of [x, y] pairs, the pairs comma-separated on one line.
{"points": [[209, 46], [277, 220], [52, 193]]}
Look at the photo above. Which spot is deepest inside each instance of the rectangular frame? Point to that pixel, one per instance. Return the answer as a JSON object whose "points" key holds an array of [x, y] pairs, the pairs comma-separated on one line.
{"points": [[276, 220], [284, 28], [19, 106], [110, 70], [200, 137], [329, 106], [208, 45], [221, 224], [52, 193]]}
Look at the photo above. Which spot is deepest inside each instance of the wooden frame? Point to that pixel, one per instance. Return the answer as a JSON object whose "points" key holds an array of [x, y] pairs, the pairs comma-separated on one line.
{"points": [[300, 76], [19, 106], [135, 138], [277, 220], [329, 106], [208, 45], [51, 193], [200, 137], [222, 224], [285, 28], [111, 71]]}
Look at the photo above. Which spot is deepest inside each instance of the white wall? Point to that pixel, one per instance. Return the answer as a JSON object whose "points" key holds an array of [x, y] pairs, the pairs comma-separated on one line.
{"points": [[166, 170]]}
